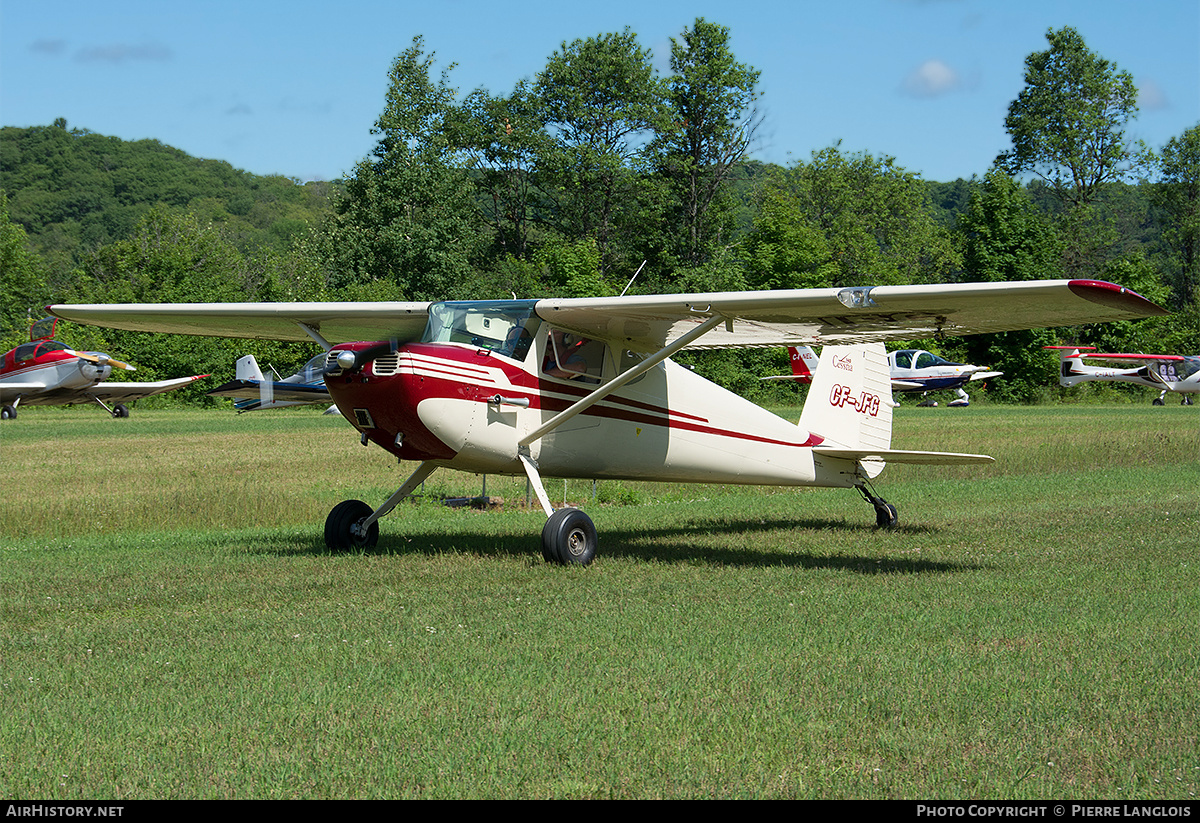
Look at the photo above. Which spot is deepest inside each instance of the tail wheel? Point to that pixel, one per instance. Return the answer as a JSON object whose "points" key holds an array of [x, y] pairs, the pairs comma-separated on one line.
{"points": [[569, 538], [342, 530], [886, 516]]}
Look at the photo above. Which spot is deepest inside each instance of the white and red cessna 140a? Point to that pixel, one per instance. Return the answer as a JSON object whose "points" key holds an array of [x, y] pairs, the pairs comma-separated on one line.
{"points": [[44, 372], [585, 388]]}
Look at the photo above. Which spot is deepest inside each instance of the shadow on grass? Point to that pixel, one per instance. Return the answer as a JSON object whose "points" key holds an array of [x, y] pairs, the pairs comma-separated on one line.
{"points": [[758, 541]]}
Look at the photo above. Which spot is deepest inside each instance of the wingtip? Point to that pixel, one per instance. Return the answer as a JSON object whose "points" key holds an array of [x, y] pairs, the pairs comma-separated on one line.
{"points": [[1117, 297]]}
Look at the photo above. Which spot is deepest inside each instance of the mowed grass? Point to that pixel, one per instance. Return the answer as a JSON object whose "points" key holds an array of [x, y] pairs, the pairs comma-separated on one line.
{"points": [[171, 625]]}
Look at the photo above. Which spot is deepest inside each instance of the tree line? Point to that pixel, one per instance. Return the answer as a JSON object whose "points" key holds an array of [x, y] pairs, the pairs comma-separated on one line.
{"points": [[598, 168]]}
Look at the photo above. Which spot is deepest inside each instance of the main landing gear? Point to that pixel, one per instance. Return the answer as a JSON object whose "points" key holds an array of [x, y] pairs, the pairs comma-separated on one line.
{"points": [[886, 516], [568, 538]]}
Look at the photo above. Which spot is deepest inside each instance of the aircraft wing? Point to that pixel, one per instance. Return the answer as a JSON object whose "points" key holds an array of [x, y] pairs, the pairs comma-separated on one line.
{"points": [[847, 316], [336, 322], [986, 375], [1139, 357], [11, 391], [108, 392], [293, 392], [647, 323]]}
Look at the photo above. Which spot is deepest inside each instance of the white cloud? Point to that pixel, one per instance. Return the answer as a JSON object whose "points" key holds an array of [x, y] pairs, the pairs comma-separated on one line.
{"points": [[932, 78], [1151, 96]]}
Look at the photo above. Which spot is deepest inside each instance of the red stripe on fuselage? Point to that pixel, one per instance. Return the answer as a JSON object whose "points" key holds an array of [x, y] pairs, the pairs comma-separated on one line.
{"points": [[440, 371]]}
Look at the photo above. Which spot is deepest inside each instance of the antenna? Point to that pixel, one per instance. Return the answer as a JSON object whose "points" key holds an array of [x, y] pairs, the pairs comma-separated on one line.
{"points": [[635, 274]]}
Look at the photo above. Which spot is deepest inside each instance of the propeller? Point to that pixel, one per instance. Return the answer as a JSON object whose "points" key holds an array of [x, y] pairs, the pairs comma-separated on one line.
{"points": [[102, 359]]}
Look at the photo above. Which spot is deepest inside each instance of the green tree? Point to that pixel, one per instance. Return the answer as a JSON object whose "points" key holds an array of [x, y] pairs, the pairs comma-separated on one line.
{"points": [[786, 249], [601, 101], [1006, 238], [1177, 195], [1068, 124], [875, 220], [503, 139], [1067, 127], [22, 280], [407, 218], [711, 126]]}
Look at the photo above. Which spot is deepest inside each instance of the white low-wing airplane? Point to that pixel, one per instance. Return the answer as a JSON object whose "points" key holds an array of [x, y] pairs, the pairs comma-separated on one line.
{"points": [[45, 372], [1165, 372], [251, 390], [585, 388], [912, 370]]}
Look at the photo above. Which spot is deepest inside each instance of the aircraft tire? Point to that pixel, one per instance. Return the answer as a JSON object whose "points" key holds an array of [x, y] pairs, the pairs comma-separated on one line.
{"points": [[120, 410], [8, 413], [569, 538], [886, 516], [338, 536], [1157, 402]]}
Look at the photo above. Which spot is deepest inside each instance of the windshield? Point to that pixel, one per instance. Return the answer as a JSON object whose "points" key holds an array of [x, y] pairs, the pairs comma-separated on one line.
{"points": [[504, 326]]}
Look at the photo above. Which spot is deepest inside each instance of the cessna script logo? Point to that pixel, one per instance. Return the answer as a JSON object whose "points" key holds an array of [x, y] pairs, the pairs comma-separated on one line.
{"points": [[845, 363]]}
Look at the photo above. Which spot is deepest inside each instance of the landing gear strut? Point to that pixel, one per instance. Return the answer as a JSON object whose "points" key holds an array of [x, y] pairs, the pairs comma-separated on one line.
{"points": [[886, 516]]}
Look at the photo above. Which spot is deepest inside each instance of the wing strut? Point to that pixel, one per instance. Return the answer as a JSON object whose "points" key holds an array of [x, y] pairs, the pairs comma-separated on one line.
{"points": [[617, 382], [315, 335]]}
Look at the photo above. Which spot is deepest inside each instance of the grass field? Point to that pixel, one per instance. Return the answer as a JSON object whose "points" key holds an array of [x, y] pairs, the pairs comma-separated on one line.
{"points": [[172, 626]]}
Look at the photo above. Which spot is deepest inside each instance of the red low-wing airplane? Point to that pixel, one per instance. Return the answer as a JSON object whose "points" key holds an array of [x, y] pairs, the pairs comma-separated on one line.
{"points": [[585, 387], [44, 372], [1165, 372]]}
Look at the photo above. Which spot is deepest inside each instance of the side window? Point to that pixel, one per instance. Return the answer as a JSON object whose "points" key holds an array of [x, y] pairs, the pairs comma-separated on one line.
{"points": [[925, 360], [571, 357], [904, 360]]}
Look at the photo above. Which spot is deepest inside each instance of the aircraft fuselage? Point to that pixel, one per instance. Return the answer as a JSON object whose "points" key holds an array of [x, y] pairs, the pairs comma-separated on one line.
{"points": [[468, 407]]}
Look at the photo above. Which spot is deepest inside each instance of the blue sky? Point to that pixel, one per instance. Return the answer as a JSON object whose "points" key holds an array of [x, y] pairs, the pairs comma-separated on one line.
{"points": [[294, 88]]}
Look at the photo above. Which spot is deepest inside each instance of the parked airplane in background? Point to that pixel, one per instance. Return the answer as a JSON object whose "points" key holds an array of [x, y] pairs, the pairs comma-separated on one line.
{"points": [[251, 391], [911, 370], [1165, 372], [585, 388], [44, 372]]}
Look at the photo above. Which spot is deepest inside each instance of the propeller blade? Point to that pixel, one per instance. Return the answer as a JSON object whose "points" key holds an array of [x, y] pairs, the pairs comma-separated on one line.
{"points": [[102, 359]]}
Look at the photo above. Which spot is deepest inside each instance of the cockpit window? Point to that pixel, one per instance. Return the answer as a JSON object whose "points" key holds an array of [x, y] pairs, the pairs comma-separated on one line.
{"points": [[504, 326], [572, 357], [925, 360], [1175, 370]]}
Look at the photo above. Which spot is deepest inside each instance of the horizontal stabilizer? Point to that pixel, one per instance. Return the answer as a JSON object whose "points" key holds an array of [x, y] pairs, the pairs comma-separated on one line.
{"points": [[905, 456]]}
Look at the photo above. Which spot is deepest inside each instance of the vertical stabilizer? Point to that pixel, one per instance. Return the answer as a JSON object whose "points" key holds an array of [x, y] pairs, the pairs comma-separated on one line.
{"points": [[804, 363], [850, 400], [247, 368]]}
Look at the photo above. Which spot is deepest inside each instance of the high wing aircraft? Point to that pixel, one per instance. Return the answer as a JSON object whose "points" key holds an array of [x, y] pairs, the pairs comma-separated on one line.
{"points": [[44, 372], [585, 387], [251, 390], [912, 370], [1166, 372]]}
